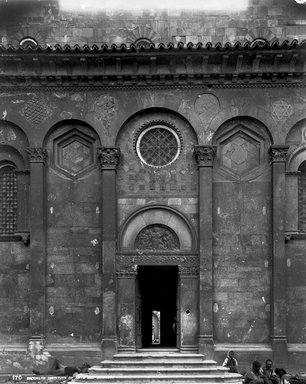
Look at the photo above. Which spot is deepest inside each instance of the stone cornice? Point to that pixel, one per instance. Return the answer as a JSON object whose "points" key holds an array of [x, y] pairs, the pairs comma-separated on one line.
{"points": [[94, 48], [153, 66]]}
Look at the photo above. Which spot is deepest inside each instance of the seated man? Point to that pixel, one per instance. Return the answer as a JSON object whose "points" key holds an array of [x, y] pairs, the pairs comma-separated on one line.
{"points": [[280, 373], [231, 362], [255, 376], [268, 371], [55, 368]]}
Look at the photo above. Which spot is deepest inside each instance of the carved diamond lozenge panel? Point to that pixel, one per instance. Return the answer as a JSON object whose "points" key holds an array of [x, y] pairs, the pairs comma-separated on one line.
{"points": [[75, 156], [240, 153]]}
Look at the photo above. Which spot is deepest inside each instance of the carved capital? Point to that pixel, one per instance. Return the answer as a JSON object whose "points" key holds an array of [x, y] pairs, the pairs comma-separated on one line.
{"points": [[278, 153], [127, 272], [37, 155], [109, 157], [205, 154]]}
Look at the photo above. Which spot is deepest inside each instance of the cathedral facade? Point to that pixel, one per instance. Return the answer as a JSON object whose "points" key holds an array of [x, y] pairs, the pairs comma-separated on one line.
{"points": [[153, 185]]}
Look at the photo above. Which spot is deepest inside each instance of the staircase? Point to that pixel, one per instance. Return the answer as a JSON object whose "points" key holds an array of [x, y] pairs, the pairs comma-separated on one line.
{"points": [[157, 368]]}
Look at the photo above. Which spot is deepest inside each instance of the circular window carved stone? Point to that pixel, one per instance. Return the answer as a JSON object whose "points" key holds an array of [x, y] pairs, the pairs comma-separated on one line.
{"points": [[158, 146]]}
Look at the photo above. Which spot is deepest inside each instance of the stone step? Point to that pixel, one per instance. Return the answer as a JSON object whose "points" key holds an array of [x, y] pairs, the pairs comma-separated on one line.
{"points": [[121, 371], [161, 356], [158, 364], [162, 381], [159, 378], [155, 380], [158, 367], [155, 349]]}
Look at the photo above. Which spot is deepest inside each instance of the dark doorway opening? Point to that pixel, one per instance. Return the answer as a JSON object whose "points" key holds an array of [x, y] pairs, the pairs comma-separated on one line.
{"points": [[158, 306]]}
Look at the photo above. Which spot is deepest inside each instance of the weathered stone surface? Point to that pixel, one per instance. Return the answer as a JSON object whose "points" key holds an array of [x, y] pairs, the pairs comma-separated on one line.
{"points": [[241, 279], [83, 230]]}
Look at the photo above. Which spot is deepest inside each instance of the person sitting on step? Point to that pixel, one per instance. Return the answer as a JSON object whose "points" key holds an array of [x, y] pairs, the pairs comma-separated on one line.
{"points": [[230, 362]]}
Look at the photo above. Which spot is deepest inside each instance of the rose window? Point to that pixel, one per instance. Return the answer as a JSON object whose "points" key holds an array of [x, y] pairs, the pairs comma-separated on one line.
{"points": [[158, 146]]}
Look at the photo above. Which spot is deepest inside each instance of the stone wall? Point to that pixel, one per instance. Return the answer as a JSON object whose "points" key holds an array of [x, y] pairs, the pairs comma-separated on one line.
{"points": [[14, 293], [296, 292], [241, 120], [138, 183], [48, 23], [241, 220], [73, 235]]}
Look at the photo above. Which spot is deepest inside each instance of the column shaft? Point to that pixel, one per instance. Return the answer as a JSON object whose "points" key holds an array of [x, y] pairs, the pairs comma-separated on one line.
{"points": [[37, 157], [109, 160], [205, 156], [279, 286]]}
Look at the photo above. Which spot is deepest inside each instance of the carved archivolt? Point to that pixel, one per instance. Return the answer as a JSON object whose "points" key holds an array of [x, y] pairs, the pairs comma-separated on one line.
{"points": [[296, 158], [134, 231]]}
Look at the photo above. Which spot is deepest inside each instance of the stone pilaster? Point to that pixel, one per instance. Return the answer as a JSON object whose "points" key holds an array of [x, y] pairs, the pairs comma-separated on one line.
{"points": [[292, 211], [205, 157], [278, 155], [189, 318], [37, 159], [127, 310], [109, 160]]}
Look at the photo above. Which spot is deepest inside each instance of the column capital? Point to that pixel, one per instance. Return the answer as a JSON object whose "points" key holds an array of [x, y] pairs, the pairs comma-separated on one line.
{"points": [[205, 154], [126, 274], [278, 153], [109, 157], [37, 155], [188, 271]]}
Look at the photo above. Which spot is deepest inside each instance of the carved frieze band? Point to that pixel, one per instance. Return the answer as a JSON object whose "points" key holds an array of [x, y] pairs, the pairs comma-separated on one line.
{"points": [[127, 265], [278, 153], [188, 270], [37, 155], [205, 154], [109, 157]]}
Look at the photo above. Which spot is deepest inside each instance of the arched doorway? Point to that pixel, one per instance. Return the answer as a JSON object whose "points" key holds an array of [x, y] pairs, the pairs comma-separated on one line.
{"points": [[157, 271], [157, 307]]}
